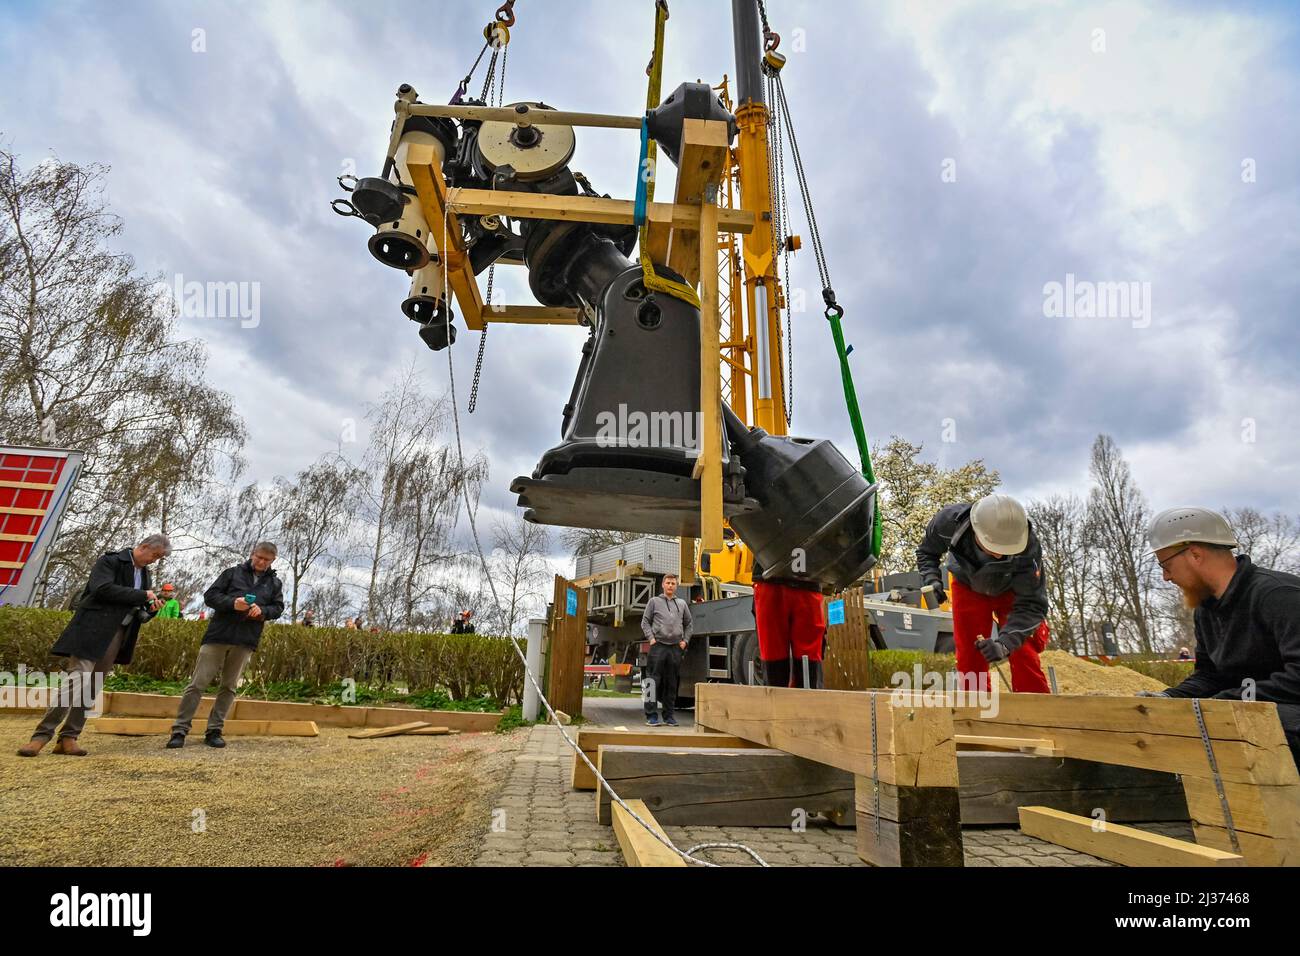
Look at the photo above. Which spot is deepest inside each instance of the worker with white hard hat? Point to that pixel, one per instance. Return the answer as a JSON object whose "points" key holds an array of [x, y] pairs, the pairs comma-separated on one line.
{"points": [[1247, 618], [996, 571]]}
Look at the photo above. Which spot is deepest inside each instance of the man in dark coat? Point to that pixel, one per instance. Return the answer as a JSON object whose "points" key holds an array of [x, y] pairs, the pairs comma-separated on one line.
{"points": [[115, 602], [243, 598], [1247, 617]]}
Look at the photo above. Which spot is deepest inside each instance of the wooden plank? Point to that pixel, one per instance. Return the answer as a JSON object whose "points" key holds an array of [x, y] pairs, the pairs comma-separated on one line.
{"points": [[1041, 747], [594, 209], [330, 715], [1156, 733], [590, 741], [22, 538], [993, 786], [530, 314], [702, 162], [394, 731], [150, 726], [164, 705], [429, 732], [708, 464], [526, 117], [914, 742], [722, 786], [567, 649], [469, 721], [639, 847], [425, 166], [7, 510], [1117, 843]]}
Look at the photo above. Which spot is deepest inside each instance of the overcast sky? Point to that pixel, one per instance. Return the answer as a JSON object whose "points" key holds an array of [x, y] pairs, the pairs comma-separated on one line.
{"points": [[962, 156]]}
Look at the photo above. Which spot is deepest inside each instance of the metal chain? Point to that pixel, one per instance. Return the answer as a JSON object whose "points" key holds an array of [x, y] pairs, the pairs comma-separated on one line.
{"points": [[498, 96], [781, 225]]}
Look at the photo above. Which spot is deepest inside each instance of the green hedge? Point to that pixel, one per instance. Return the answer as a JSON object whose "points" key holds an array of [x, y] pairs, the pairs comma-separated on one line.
{"points": [[1170, 673], [464, 666]]}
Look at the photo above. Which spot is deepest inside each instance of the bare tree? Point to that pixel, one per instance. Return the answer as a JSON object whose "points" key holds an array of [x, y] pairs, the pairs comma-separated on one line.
{"points": [[519, 570], [1272, 541], [90, 362], [317, 512], [1119, 517], [581, 542], [412, 495], [1068, 565]]}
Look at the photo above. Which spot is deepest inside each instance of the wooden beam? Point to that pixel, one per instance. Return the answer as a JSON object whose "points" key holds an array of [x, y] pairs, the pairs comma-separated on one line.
{"points": [[595, 209], [916, 826], [639, 847], [330, 715], [1041, 748], [708, 466], [531, 314], [1117, 843], [914, 742], [722, 786], [527, 116], [425, 166], [7, 510], [993, 786], [24, 538], [430, 732], [702, 163], [150, 726], [589, 742], [395, 731]]}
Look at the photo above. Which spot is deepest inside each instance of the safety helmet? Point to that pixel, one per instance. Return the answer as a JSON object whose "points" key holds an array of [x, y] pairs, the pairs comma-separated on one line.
{"points": [[1000, 524], [169, 587], [1189, 526]]}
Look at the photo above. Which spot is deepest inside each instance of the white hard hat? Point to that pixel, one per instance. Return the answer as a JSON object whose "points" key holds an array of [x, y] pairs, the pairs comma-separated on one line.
{"points": [[1189, 526], [1000, 524]]}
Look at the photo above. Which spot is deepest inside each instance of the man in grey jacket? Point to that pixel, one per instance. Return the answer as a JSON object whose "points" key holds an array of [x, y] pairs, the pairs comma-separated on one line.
{"points": [[666, 624]]}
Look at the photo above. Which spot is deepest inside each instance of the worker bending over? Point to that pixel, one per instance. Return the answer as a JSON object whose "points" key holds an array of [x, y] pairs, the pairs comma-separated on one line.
{"points": [[996, 567], [1247, 618], [790, 617]]}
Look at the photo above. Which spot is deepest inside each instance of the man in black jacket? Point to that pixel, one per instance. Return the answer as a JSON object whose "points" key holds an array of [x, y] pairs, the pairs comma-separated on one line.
{"points": [[997, 574], [1247, 618], [242, 598], [115, 602]]}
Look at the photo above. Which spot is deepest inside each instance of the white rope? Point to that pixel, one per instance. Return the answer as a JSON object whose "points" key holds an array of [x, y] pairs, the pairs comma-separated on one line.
{"points": [[451, 377]]}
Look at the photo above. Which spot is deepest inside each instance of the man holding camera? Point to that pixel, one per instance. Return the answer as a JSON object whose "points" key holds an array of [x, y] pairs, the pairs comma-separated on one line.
{"points": [[115, 602], [243, 598]]}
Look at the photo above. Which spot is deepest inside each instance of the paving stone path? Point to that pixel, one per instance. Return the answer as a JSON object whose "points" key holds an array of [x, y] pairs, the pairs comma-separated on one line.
{"points": [[538, 820]]}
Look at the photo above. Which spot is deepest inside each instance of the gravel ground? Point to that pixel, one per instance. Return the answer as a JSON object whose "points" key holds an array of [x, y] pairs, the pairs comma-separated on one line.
{"points": [[265, 801]]}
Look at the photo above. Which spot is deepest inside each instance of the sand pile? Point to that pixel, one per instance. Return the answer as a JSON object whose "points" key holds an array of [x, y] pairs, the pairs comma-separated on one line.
{"points": [[1074, 675]]}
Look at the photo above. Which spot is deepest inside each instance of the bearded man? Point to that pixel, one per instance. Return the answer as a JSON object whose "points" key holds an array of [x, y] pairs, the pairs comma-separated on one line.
{"points": [[1247, 618]]}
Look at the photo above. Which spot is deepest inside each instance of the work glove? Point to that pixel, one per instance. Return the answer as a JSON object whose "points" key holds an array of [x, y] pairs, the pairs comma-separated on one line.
{"points": [[993, 651], [1152, 693], [938, 595]]}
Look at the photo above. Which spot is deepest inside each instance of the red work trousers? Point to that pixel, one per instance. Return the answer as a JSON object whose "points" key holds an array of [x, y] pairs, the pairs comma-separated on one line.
{"points": [[972, 617], [791, 622]]}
